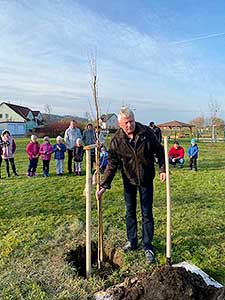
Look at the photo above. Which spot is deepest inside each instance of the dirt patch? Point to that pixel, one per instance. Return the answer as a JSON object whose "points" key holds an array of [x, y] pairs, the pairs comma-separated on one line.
{"points": [[166, 283], [77, 259]]}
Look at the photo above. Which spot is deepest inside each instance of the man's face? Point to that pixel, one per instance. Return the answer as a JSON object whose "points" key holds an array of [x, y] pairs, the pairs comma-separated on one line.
{"points": [[127, 124], [176, 146], [73, 124], [90, 127]]}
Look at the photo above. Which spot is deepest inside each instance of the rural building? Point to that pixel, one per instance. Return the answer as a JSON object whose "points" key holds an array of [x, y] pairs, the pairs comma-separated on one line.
{"points": [[19, 120], [109, 121]]}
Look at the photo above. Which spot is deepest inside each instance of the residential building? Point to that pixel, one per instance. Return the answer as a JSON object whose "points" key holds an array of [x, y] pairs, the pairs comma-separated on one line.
{"points": [[109, 121], [18, 119]]}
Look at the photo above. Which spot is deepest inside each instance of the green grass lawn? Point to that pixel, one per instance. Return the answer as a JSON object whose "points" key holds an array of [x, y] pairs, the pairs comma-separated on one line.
{"points": [[41, 219]]}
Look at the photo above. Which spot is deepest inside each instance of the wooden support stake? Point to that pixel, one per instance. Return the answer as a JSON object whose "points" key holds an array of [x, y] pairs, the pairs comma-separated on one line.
{"points": [[168, 201], [88, 208], [99, 207]]}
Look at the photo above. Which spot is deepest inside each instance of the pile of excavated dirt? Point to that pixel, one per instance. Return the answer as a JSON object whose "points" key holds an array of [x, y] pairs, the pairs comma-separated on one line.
{"points": [[166, 283]]}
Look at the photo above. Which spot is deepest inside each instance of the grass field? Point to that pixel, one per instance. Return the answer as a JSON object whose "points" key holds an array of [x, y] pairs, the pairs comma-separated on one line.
{"points": [[41, 219]]}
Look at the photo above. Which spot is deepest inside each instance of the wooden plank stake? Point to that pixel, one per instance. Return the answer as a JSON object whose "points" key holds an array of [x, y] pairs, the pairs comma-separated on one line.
{"points": [[88, 208], [99, 207], [168, 201]]}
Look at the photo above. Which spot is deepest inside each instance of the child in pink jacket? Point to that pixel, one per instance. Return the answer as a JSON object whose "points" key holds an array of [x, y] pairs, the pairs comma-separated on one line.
{"points": [[45, 151], [32, 150]]}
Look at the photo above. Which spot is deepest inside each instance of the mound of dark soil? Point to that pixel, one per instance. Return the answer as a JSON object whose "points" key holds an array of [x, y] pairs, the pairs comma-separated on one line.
{"points": [[167, 283]]}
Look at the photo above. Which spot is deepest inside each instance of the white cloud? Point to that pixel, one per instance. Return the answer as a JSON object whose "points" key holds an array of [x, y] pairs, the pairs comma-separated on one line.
{"points": [[44, 52]]}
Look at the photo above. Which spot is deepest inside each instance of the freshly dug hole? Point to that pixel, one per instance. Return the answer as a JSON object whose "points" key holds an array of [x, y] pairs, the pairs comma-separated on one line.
{"points": [[77, 259]]}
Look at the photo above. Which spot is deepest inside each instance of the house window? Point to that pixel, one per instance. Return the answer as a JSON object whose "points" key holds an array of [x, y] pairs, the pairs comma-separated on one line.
{"points": [[0, 116], [6, 116]]}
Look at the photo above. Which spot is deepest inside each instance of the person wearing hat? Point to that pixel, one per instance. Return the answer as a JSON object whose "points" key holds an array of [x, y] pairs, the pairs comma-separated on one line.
{"points": [[193, 154], [46, 149], [156, 130], [1, 144], [78, 154], [8, 151], [176, 155]]}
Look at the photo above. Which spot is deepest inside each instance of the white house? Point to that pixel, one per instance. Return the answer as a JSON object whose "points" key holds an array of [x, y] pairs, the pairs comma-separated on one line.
{"points": [[18, 119], [109, 121]]}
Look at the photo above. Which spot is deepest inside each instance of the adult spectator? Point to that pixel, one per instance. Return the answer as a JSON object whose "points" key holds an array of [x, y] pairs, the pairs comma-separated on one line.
{"points": [[89, 138], [176, 155], [71, 135], [100, 136], [156, 130], [132, 150]]}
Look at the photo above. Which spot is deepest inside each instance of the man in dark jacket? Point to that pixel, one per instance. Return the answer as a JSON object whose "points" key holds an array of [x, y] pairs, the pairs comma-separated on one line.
{"points": [[132, 149], [156, 130]]}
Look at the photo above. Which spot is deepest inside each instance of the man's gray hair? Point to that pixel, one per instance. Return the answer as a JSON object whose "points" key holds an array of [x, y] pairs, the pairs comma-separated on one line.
{"points": [[125, 112]]}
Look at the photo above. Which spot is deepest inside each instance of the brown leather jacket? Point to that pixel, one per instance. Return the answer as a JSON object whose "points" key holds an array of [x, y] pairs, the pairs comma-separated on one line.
{"points": [[135, 161]]}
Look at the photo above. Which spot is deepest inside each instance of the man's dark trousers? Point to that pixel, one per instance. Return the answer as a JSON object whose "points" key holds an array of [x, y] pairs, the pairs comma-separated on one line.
{"points": [[146, 200], [70, 159]]}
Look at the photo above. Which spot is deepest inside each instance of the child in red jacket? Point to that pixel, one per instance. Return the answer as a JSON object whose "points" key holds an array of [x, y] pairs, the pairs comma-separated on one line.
{"points": [[32, 150]]}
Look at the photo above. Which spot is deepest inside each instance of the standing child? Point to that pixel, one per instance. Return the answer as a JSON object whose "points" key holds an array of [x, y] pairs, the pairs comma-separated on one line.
{"points": [[8, 151], [1, 144], [103, 159], [59, 148], [78, 154], [193, 154], [32, 150], [45, 151]]}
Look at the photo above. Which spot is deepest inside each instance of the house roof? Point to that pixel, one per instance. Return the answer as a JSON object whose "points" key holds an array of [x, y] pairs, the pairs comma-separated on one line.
{"points": [[20, 110], [172, 124], [106, 117]]}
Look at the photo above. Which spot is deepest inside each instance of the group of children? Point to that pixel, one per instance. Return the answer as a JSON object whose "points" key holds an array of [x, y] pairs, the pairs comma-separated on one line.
{"points": [[34, 150], [45, 151]]}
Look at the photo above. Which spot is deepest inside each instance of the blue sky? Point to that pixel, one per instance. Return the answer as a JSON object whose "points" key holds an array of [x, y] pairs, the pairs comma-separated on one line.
{"points": [[165, 59]]}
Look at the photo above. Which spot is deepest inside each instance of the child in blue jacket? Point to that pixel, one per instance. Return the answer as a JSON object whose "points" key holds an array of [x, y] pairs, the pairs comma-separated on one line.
{"points": [[193, 154], [59, 149], [103, 159]]}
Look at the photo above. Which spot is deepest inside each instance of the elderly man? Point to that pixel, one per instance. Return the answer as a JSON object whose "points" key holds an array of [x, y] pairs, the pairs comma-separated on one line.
{"points": [[71, 135], [132, 149]]}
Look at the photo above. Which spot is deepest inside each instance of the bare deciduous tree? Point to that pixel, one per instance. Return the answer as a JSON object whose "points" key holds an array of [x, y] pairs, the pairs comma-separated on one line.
{"points": [[48, 112], [93, 70], [214, 108]]}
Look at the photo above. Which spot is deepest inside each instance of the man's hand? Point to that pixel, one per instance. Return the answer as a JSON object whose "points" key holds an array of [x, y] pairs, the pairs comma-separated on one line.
{"points": [[162, 176], [100, 193]]}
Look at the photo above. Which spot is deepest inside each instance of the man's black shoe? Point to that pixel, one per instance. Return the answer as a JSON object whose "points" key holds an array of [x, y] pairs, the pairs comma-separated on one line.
{"points": [[150, 257], [128, 247]]}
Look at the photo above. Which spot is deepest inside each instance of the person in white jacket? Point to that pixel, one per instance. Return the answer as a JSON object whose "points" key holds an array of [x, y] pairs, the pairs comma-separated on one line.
{"points": [[71, 135]]}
